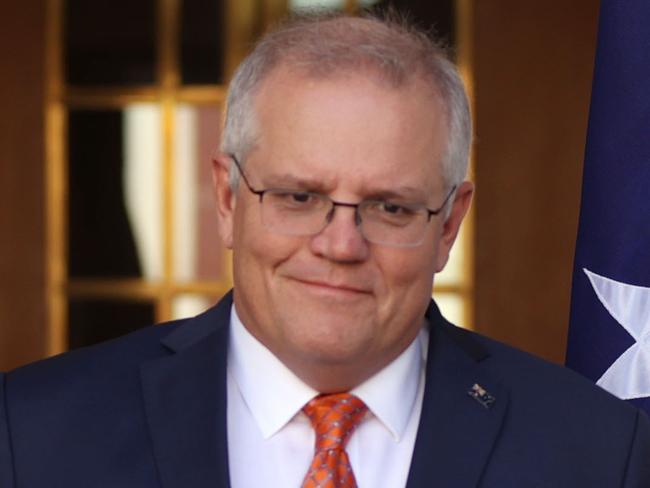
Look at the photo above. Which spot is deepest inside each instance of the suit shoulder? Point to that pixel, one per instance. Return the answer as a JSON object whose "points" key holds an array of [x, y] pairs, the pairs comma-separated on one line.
{"points": [[551, 409], [112, 366], [94, 363], [530, 377]]}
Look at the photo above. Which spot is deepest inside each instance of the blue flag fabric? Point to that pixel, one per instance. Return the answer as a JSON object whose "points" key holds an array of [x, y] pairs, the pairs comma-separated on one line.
{"points": [[609, 333]]}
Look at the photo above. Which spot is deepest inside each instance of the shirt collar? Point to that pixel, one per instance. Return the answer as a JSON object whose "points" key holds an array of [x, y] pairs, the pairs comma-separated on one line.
{"points": [[274, 394], [392, 392]]}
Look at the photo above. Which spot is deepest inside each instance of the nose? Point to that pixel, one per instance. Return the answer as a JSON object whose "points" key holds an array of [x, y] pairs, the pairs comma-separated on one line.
{"points": [[341, 239]]}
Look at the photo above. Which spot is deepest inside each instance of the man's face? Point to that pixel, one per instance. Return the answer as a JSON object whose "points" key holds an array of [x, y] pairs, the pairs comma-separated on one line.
{"points": [[334, 307]]}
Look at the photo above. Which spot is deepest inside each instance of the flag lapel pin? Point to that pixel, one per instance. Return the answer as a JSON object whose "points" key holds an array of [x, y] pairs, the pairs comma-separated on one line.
{"points": [[481, 395]]}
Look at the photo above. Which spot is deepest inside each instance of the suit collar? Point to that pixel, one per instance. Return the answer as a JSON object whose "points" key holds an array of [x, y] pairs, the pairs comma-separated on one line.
{"points": [[457, 430], [185, 402], [213, 320]]}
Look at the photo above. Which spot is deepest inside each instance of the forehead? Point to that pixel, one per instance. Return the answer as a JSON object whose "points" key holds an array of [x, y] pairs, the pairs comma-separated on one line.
{"points": [[349, 127]]}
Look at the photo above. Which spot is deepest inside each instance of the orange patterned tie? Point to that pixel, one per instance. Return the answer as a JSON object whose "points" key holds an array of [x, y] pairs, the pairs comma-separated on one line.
{"points": [[334, 418]]}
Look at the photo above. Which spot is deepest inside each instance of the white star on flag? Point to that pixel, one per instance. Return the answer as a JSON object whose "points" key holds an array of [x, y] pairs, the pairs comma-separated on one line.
{"points": [[629, 376]]}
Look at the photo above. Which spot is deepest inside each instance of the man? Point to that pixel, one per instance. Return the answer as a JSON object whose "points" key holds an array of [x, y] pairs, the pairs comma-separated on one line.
{"points": [[340, 189]]}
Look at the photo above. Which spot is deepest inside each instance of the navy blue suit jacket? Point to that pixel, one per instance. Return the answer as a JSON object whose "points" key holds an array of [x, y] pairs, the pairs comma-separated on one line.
{"points": [[149, 410]]}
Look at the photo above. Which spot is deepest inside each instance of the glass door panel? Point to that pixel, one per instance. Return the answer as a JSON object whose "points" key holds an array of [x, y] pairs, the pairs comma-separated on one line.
{"points": [[115, 191], [110, 42], [198, 253]]}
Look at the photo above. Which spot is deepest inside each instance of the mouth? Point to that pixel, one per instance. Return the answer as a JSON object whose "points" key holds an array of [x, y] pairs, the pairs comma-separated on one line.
{"points": [[338, 288]]}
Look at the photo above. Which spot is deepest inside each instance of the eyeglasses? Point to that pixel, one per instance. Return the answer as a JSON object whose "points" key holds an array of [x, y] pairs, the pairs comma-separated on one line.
{"points": [[305, 213]]}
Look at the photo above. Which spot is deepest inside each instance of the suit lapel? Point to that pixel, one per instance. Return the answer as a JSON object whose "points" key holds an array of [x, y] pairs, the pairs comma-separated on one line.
{"points": [[185, 402], [457, 429]]}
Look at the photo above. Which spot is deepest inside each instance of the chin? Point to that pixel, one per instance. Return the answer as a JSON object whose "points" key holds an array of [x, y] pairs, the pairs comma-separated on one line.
{"points": [[336, 355], [332, 337]]}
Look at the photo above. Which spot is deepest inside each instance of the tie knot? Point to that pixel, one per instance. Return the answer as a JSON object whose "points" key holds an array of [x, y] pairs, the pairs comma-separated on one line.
{"points": [[334, 418]]}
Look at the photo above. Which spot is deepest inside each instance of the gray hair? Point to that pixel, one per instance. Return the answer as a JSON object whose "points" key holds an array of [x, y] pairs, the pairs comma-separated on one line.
{"points": [[326, 45]]}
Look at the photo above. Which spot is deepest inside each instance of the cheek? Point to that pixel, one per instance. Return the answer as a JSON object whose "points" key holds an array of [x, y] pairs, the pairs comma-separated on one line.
{"points": [[408, 279], [258, 252], [407, 270], [249, 254]]}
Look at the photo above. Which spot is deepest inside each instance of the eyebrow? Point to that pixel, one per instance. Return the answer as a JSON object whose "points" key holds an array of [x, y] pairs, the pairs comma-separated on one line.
{"points": [[406, 193], [289, 181], [398, 193]]}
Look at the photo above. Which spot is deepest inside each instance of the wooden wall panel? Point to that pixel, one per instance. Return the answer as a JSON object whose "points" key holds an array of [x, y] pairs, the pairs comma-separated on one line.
{"points": [[22, 302], [533, 67]]}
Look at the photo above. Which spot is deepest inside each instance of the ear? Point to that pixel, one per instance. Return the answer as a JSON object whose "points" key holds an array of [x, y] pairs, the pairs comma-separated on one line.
{"points": [[450, 228], [225, 197]]}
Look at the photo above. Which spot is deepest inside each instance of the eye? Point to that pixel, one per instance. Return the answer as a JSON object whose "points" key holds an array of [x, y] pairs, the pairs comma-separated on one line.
{"points": [[392, 208], [300, 197], [294, 200], [389, 213]]}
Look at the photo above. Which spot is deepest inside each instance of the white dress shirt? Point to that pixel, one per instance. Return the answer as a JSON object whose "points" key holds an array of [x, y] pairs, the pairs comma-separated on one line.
{"points": [[271, 441]]}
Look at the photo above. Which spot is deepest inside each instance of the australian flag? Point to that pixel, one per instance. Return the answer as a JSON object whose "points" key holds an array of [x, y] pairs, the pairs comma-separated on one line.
{"points": [[609, 333]]}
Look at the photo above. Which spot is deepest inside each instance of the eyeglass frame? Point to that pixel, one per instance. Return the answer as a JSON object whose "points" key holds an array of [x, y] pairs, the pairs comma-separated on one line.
{"points": [[355, 206]]}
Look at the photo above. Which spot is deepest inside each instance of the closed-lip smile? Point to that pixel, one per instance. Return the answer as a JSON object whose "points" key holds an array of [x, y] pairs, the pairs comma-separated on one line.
{"points": [[333, 286]]}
